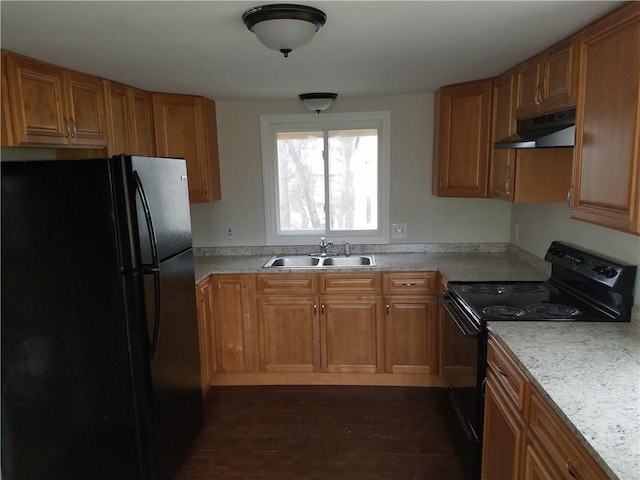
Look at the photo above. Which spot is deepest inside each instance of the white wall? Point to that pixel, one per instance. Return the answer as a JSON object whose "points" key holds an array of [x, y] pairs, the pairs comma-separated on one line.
{"points": [[430, 219], [539, 224]]}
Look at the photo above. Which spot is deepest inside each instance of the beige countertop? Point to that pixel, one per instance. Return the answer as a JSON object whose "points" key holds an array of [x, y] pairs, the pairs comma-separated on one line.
{"points": [[456, 266], [589, 372]]}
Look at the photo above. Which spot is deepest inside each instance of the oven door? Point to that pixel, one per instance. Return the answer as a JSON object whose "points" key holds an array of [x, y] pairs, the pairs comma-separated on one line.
{"points": [[463, 367]]}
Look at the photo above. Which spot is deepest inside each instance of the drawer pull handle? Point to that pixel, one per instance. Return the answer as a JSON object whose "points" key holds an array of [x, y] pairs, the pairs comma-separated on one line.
{"points": [[315, 308], [409, 284], [572, 472]]}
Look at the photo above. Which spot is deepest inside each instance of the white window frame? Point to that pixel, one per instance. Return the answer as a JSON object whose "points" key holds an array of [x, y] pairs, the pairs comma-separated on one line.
{"points": [[270, 125]]}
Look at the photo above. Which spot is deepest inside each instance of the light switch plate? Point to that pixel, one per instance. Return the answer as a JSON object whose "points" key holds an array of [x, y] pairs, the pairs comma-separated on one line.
{"points": [[399, 230]]}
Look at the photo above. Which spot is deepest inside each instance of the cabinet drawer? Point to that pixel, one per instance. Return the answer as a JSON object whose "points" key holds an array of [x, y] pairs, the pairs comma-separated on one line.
{"points": [[561, 448], [411, 283], [507, 373], [287, 284], [368, 283]]}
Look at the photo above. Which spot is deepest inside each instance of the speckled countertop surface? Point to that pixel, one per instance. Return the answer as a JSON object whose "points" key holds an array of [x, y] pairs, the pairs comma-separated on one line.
{"points": [[589, 372], [456, 266]]}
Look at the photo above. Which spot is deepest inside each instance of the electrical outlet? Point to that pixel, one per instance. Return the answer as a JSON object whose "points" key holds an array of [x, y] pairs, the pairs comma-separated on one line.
{"points": [[399, 230], [229, 232]]}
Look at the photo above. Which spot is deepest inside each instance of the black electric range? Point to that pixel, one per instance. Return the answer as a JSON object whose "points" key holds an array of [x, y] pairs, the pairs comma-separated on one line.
{"points": [[583, 287]]}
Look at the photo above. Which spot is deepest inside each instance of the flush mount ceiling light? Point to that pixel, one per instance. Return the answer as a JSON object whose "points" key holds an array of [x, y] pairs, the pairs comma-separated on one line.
{"points": [[284, 26], [317, 102]]}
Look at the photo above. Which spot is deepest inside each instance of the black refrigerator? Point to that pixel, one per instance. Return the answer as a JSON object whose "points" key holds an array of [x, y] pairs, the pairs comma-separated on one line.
{"points": [[100, 358]]}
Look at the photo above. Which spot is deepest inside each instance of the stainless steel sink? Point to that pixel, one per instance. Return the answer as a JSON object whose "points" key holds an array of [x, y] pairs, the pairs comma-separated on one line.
{"points": [[355, 261], [315, 262]]}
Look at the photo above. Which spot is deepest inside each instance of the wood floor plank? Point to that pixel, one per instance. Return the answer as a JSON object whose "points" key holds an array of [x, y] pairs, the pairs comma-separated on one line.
{"points": [[325, 432]]}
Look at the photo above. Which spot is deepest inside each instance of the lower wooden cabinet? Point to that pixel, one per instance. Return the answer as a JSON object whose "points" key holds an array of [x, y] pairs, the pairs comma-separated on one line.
{"points": [[289, 334], [351, 334], [234, 322], [523, 436], [206, 335], [341, 327], [503, 433]]}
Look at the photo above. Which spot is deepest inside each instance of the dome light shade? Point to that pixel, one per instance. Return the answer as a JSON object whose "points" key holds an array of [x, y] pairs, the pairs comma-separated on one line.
{"points": [[317, 102], [284, 27]]}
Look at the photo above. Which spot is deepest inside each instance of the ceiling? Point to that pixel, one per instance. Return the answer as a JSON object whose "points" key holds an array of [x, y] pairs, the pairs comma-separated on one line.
{"points": [[366, 48]]}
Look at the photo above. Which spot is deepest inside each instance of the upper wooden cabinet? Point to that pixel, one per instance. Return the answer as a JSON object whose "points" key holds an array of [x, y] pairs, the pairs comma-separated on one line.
{"points": [[549, 81], [129, 120], [461, 139], [503, 161], [186, 127], [606, 179], [529, 175], [52, 106]]}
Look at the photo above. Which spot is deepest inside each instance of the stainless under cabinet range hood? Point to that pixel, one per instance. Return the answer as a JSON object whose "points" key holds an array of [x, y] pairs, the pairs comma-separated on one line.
{"points": [[545, 131]]}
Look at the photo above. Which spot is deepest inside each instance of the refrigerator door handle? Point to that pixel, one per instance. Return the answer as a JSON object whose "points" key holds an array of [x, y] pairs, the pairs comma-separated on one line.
{"points": [[154, 268]]}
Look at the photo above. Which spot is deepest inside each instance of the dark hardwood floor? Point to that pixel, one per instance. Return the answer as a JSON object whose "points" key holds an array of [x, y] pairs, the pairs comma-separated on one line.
{"points": [[326, 432]]}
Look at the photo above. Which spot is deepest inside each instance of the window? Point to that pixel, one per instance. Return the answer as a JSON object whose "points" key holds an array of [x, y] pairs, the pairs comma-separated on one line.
{"points": [[326, 175]]}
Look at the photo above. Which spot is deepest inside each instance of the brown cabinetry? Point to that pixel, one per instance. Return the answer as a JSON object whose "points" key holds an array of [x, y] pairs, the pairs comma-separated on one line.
{"points": [[549, 81], [351, 323], [523, 437], [606, 182], [503, 161], [185, 126], [288, 323], [411, 322], [504, 424], [51, 106], [234, 320], [206, 335], [129, 120], [557, 448], [524, 176], [461, 139]]}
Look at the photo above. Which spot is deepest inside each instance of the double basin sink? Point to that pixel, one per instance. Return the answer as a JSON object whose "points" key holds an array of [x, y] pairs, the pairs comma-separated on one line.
{"points": [[312, 261]]}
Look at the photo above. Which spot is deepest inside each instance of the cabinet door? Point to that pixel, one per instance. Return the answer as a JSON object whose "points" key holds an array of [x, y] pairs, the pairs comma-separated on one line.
{"points": [[607, 165], [503, 434], [36, 95], [351, 334], [85, 107], [118, 119], [461, 140], [234, 319], [502, 172], [529, 88], [183, 129], [534, 463], [206, 335], [141, 126], [289, 334], [560, 74], [411, 338]]}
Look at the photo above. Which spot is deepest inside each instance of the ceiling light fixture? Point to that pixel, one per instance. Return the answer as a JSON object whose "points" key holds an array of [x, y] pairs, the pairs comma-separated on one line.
{"points": [[284, 26], [318, 102]]}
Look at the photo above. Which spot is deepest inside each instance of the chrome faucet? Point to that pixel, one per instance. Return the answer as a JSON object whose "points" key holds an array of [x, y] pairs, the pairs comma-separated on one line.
{"points": [[323, 246]]}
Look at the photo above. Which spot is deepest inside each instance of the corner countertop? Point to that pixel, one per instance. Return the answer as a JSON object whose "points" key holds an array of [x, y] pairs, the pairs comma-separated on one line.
{"points": [[590, 374]]}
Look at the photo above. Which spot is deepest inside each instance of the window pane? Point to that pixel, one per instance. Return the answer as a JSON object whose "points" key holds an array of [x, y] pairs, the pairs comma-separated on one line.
{"points": [[300, 181], [353, 179]]}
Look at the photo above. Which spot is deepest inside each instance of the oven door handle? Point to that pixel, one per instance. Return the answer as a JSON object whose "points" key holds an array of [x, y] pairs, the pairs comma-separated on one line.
{"points": [[468, 329]]}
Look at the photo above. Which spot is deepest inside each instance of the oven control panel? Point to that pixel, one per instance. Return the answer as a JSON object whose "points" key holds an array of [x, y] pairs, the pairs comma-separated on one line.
{"points": [[587, 265]]}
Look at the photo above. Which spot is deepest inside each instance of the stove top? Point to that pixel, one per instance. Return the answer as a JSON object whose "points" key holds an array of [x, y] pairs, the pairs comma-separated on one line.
{"points": [[524, 301], [583, 286]]}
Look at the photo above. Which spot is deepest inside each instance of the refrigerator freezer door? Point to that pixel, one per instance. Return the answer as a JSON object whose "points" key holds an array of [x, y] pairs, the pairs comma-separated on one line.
{"points": [[164, 182]]}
